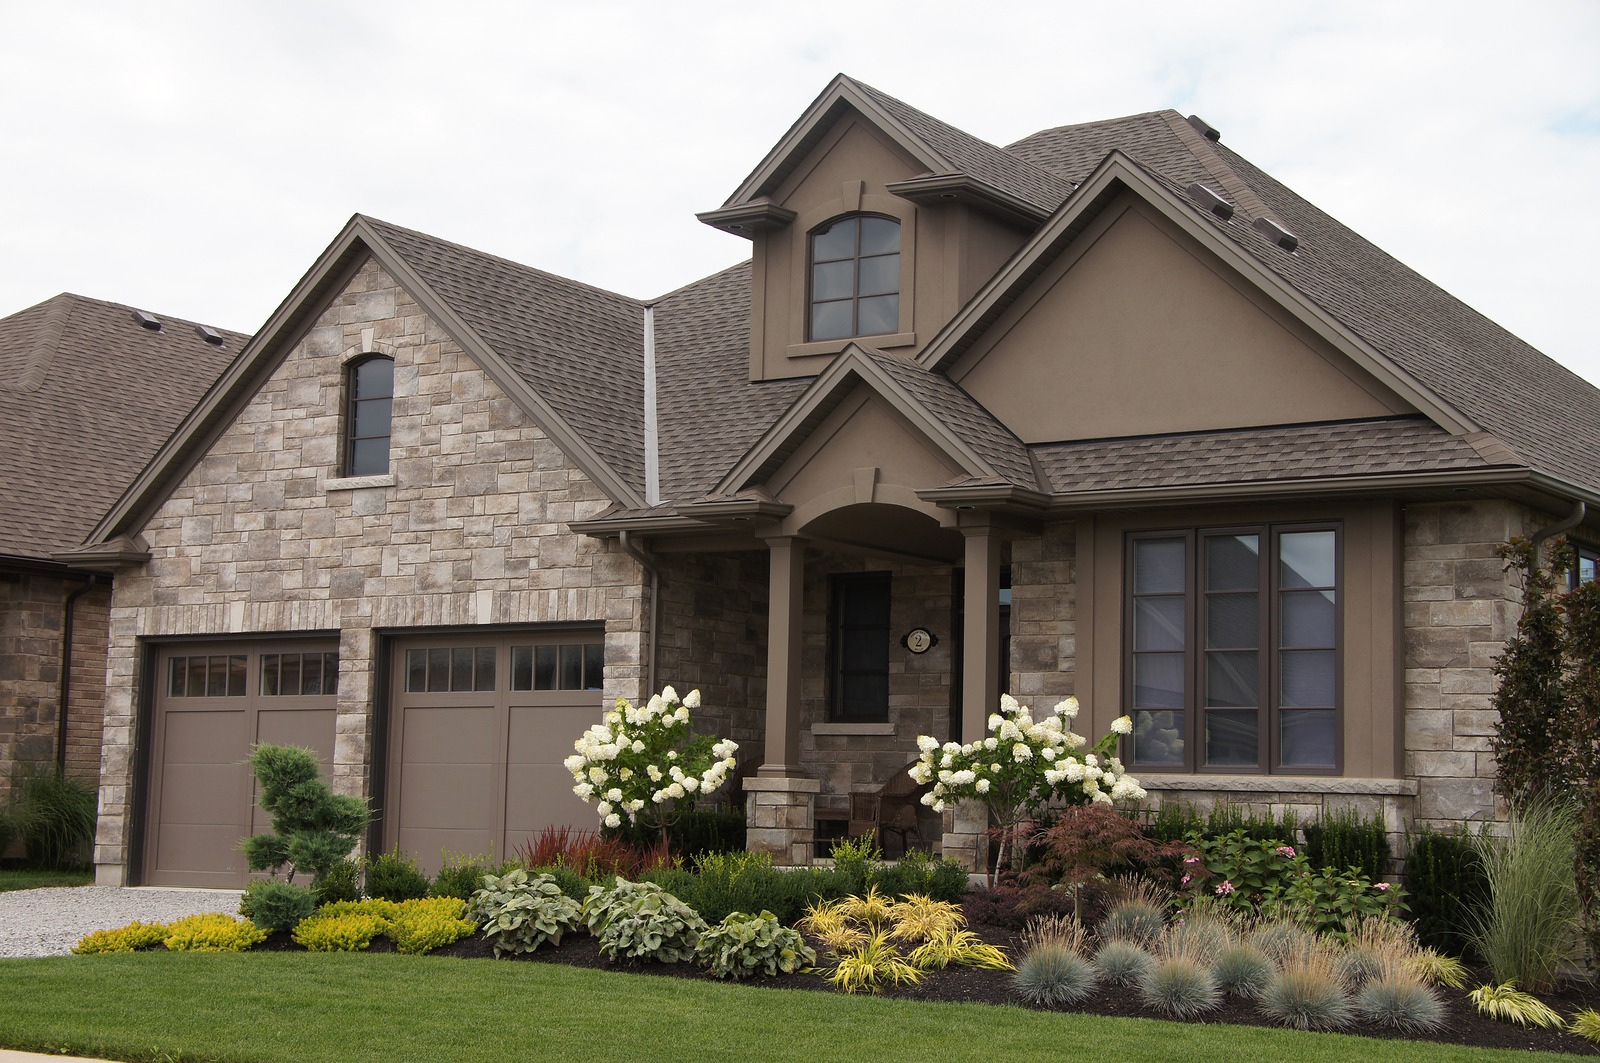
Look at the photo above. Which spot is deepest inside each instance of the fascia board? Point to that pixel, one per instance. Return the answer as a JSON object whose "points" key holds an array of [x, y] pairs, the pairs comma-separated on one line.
{"points": [[543, 414], [1119, 170], [852, 362]]}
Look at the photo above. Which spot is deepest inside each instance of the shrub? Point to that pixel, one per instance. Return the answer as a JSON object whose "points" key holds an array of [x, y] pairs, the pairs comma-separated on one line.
{"points": [[312, 827], [462, 876], [738, 882], [342, 882], [1445, 884], [1507, 1003], [273, 904], [920, 872], [874, 964], [1305, 993], [1530, 922], [1586, 1024], [1122, 963], [1400, 1003], [426, 923], [1053, 974], [1241, 969], [640, 920], [740, 945], [590, 854], [393, 877], [350, 932], [1248, 872], [1181, 986], [1097, 841], [519, 912], [1177, 820], [1344, 839], [54, 814], [857, 862], [696, 832], [212, 932], [123, 939]]}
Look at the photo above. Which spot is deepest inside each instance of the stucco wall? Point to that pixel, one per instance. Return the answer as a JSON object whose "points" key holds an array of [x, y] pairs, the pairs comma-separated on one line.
{"points": [[472, 531]]}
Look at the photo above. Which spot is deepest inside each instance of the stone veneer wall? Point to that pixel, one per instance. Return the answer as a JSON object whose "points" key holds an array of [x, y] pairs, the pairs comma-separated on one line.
{"points": [[472, 531], [714, 637], [1044, 617], [849, 757], [32, 615]]}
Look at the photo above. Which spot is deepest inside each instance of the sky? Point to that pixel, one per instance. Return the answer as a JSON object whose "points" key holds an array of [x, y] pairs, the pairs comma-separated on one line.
{"points": [[194, 159]]}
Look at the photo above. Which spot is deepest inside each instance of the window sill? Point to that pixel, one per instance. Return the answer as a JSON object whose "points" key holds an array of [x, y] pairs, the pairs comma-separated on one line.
{"points": [[356, 483], [807, 350], [1279, 784], [852, 729]]}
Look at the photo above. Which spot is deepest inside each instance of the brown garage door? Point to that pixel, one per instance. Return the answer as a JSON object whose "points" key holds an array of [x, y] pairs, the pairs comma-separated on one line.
{"points": [[479, 728], [212, 703]]}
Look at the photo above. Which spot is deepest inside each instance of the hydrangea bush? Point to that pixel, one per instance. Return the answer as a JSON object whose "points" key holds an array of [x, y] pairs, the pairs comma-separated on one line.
{"points": [[1025, 764], [641, 761]]}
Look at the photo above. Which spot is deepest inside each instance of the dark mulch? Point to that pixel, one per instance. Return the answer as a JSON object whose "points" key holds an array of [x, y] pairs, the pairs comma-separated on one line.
{"points": [[1463, 1024]]}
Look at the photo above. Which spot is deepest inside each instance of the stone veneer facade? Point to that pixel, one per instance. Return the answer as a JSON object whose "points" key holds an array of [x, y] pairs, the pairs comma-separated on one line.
{"points": [[469, 528]]}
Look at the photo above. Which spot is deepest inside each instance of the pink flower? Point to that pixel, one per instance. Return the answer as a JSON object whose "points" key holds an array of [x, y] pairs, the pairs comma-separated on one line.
{"points": [[1184, 881], [1191, 859], [1285, 850], [1225, 889], [1384, 886]]}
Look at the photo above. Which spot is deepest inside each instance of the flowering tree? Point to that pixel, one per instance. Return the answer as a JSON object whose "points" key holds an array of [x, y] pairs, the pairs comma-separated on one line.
{"points": [[1024, 765], [640, 762]]}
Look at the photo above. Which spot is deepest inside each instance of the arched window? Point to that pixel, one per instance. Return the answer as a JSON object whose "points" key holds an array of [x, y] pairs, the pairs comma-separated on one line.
{"points": [[855, 278], [371, 390]]}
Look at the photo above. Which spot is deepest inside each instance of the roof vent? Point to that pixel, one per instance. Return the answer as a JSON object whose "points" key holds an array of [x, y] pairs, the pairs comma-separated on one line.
{"points": [[1211, 201], [148, 321], [1277, 233], [210, 335], [1204, 128]]}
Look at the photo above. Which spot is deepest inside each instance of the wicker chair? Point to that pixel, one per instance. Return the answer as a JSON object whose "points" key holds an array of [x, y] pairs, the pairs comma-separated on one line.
{"points": [[890, 809]]}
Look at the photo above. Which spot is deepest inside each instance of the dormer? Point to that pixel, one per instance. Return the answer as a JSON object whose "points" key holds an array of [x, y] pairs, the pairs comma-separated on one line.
{"points": [[873, 223]]}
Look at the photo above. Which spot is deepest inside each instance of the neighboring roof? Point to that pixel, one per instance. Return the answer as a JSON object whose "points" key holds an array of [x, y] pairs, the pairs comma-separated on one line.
{"points": [[1303, 452], [87, 396]]}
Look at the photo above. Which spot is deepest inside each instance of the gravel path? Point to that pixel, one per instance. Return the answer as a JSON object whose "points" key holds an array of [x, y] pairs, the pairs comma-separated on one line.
{"points": [[48, 922]]}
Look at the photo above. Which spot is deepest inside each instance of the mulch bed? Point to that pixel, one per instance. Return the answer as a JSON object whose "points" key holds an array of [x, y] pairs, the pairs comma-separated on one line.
{"points": [[962, 985]]}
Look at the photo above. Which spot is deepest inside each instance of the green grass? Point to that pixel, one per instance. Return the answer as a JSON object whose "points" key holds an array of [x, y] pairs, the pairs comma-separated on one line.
{"points": [[32, 879], [349, 1008]]}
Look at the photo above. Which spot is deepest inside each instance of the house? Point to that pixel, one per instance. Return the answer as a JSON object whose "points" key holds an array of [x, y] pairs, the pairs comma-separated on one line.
{"points": [[88, 391], [1108, 411]]}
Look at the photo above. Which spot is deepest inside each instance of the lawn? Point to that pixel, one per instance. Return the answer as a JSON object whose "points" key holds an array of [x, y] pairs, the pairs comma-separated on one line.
{"points": [[31, 879], [350, 1007]]}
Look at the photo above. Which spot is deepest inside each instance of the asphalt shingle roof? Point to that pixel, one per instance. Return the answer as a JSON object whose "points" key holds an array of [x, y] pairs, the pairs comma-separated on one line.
{"points": [[87, 397]]}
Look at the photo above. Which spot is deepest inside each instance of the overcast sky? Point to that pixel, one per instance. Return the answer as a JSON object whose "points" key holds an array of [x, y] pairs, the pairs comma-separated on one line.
{"points": [[193, 159]]}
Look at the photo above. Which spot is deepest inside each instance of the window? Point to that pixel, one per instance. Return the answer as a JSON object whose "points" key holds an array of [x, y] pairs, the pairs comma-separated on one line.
{"points": [[860, 647], [207, 676], [564, 666], [1585, 565], [855, 278], [1233, 649], [371, 390]]}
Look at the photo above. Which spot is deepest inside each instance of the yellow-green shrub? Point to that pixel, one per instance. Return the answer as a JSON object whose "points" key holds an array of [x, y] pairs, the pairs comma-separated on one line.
{"points": [[213, 932], [384, 910], [350, 932], [122, 939], [427, 923]]}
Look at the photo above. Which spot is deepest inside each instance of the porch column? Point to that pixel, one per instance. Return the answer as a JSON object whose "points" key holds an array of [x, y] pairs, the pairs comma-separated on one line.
{"points": [[780, 813], [980, 648], [786, 558]]}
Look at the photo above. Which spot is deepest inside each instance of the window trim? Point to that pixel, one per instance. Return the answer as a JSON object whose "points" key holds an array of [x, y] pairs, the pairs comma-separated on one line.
{"points": [[1269, 751], [352, 369], [855, 296], [837, 589], [1581, 552]]}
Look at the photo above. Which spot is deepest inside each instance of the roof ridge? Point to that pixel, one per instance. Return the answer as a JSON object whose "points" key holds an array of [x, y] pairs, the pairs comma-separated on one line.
{"points": [[382, 224], [1201, 147], [680, 289], [1161, 111], [36, 362]]}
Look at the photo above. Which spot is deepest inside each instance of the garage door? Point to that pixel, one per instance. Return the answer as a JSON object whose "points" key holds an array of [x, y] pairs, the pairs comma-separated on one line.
{"points": [[478, 730], [212, 703]]}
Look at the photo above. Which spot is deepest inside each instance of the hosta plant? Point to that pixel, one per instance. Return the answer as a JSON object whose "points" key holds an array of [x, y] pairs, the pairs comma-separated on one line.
{"points": [[1507, 1003], [642, 921], [518, 912], [742, 945], [645, 761]]}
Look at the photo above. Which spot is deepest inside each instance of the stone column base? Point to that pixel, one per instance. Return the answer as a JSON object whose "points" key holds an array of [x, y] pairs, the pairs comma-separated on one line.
{"points": [[781, 818], [966, 836]]}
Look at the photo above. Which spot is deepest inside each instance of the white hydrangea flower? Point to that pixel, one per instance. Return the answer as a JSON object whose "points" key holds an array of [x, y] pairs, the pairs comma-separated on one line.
{"points": [[1068, 707], [690, 784], [693, 700], [655, 705], [613, 820], [576, 763], [1123, 725], [1008, 704], [1048, 754], [1021, 753], [983, 786], [584, 790], [963, 778], [604, 808], [654, 772], [927, 743], [597, 775], [991, 743], [613, 794]]}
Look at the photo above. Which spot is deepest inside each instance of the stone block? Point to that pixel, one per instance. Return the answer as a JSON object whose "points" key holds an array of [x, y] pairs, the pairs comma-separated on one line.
{"points": [[1428, 729]]}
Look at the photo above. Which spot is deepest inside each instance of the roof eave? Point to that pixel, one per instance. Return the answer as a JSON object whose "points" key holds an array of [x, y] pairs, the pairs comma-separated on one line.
{"points": [[937, 190], [748, 218]]}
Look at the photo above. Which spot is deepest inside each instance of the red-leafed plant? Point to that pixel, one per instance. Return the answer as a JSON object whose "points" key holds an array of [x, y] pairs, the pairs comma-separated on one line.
{"points": [[590, 854]]}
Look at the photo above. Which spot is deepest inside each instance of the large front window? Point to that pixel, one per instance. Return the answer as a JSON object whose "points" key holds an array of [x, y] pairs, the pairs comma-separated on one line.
{"points": [[1233, 649], [855, 278], [860, 647]]}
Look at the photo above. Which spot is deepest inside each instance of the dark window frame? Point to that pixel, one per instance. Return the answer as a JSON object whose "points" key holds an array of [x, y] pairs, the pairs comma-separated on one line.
{"points": [[841, 683], [856, 258], [1583, 553], [1269, 647], [358, 401]]}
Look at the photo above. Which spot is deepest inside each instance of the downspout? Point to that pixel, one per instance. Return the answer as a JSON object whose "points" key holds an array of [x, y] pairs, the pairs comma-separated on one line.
{"points": [[652, 496], [1575, 518], [65, 685]]}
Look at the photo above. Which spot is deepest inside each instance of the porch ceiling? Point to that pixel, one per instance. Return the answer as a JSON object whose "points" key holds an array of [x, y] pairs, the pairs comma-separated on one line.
{"points": [[888, 529]]}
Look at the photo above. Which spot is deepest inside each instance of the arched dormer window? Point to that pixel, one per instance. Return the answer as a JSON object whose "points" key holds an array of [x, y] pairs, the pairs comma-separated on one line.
{"points": [[855, 278], [370, 385]]}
